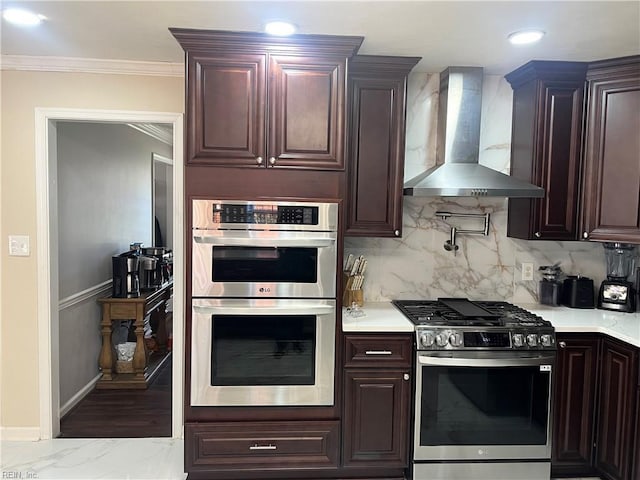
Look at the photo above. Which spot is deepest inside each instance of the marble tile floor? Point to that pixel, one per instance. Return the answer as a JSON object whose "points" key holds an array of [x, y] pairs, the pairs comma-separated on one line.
{"points": [[96, 459], [89, 459]]}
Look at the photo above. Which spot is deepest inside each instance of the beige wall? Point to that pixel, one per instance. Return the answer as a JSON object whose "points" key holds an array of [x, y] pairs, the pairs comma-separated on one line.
{"points": [[21, 94]]}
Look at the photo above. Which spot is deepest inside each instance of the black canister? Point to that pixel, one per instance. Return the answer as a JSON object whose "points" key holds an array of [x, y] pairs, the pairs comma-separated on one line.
{"points": [[550, 292], [577, 292]]}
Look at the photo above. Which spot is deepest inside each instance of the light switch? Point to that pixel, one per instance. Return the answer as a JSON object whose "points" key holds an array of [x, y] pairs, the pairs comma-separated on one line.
{"points": [[19, 245]]}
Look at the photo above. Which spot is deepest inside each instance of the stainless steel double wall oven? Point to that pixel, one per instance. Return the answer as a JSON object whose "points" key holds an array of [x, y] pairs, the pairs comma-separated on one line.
{"points": [[263, 303]]}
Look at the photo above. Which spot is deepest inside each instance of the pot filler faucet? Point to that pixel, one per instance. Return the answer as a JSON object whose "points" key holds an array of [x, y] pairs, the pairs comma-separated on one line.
{"points": [[450, 245]]}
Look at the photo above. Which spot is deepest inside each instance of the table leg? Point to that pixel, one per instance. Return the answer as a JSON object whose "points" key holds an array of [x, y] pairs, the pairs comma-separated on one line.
{"points": [[106, 352], [140, 355]]}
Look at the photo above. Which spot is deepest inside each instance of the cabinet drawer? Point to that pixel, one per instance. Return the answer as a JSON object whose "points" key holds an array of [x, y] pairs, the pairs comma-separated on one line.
{"points": [[123, 312], [378, 350], [261, 445]]}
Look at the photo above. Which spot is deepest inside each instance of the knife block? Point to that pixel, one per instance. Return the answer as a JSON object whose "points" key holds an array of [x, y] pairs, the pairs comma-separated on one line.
{"points": [[351, 296]]}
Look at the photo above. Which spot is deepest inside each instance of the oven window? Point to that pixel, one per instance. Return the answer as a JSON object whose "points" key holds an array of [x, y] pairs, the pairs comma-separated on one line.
{"points": [[265, 264], [263, 350], [484, 406]]}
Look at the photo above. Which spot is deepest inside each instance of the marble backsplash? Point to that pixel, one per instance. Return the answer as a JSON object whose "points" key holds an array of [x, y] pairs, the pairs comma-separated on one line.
{"points": [[417, 266], [485, 267]]}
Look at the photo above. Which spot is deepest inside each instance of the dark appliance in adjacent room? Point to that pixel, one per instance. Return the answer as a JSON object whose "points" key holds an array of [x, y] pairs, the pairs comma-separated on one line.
{"points": [[126, 282], [263, 316], [483, 390], [617, 292]]}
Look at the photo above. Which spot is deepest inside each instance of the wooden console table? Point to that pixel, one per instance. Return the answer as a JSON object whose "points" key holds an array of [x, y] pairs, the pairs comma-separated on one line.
{"points": [[136, 309]]}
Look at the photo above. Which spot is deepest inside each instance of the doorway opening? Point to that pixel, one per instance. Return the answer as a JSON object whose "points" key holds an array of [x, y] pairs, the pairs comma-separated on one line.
{"points": [[72, 233]]}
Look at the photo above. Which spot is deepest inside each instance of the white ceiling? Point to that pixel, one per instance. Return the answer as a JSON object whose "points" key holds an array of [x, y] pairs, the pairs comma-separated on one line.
{"points": [[442, 33]]}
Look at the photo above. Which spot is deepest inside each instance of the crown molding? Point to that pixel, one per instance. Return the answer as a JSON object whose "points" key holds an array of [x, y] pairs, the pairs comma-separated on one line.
{"points": [[90, 65]]}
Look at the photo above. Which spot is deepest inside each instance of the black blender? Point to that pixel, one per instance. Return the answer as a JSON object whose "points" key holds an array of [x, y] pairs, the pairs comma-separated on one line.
{"points": [[616, 292]]}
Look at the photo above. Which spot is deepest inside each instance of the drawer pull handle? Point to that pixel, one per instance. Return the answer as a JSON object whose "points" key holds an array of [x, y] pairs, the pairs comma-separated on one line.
{"points": [[263, 447], [379, 352]]}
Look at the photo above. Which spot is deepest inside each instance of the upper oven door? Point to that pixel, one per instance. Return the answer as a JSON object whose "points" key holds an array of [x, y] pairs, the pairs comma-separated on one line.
{"points": [[483, 405], [263, 263]]}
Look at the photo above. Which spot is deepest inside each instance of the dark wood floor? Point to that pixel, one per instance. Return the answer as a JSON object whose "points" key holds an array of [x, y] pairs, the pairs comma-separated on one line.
{"points": [[123, 413]]}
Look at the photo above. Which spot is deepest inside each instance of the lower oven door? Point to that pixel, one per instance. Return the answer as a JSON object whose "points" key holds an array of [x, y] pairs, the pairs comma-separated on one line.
{"points": [[483, 406], [262, 352]]}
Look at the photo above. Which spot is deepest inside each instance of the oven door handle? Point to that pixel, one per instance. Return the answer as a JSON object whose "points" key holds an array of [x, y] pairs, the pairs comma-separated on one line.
{"points": [[269, 310], [486, 362], [248, 241]]}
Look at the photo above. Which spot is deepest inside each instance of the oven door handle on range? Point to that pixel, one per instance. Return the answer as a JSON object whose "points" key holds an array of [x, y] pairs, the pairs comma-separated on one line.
{"points": [[245, 239], [486, 362], [305, 309]]}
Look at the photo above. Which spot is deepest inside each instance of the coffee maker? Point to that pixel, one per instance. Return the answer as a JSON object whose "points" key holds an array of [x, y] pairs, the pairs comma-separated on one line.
{"points": [[126, 283], [616, 292]]}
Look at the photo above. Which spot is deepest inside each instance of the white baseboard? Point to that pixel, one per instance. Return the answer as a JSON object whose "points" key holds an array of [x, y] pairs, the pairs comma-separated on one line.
{"points": [[20, 434], [84, 391]]}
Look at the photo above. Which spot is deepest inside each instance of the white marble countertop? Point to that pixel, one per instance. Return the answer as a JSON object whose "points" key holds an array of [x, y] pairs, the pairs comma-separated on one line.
{"points": [[623, 326], [378, 317], [384, 317]]}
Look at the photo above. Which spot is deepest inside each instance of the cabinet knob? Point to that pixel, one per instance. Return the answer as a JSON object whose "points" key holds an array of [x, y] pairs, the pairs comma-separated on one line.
{"points": [[537, 234], [397, 233], [259, 160], [272, 160], [585, 234], [562, 344], [406, 376]]}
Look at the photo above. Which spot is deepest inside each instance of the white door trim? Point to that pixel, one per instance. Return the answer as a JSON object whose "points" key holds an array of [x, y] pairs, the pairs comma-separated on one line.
{"points": [[47, 270]]}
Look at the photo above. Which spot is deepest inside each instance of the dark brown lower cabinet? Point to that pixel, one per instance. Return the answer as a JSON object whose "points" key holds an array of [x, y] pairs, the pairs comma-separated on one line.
{"points": [[596, 408], [636, 451], [617, 410], [377, 401], [574, 401]]}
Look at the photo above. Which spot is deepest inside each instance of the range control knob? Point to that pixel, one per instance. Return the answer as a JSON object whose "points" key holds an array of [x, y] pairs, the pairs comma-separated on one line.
{"points": [[442, 339], [518, 340], [546, 340], [427, 339], [532, 340], [455, 339]]}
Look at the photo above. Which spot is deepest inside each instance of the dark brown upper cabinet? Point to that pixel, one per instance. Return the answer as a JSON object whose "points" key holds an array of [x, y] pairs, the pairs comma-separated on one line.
{"points": [[612, 151], [376, 143], [259, 101], [545, 148]]}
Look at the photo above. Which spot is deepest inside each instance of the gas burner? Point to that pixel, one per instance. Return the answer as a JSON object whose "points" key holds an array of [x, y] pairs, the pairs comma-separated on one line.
{"points": [[457, 323]]}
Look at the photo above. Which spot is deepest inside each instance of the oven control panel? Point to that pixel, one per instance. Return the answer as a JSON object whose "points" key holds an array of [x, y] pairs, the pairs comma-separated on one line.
{"points": [[429, 338], [265, 214]]}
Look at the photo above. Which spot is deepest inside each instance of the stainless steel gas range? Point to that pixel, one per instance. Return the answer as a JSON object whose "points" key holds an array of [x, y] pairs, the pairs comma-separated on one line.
{"points": [[483, 390]]}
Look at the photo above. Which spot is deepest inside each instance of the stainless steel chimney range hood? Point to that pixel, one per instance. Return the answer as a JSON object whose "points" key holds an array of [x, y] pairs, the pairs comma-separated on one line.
{"points": [[457, 172]]}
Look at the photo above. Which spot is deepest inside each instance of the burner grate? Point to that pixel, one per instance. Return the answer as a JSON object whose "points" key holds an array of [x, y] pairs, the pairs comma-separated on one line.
{"points": [[481, 313]]}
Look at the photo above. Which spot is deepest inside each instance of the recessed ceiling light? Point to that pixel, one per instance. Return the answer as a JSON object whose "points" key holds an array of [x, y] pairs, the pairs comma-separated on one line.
{"points": [[525, 36], [280, 28], [21, 17]]}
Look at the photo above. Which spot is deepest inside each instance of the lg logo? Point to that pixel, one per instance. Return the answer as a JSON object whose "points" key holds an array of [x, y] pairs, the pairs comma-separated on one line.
{"points": [[265, 290]]}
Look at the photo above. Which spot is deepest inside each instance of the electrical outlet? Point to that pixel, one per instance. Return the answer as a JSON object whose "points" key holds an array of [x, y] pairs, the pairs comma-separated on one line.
{"points": [[527, 271]]}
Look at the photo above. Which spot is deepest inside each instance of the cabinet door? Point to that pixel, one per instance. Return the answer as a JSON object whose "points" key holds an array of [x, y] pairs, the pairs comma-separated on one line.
{"points": [[636, 450], [612, 152], [376, 418], [573, 405], [376, 142], [306, 112], [615, 432], [546, 136], [225, 110]]}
